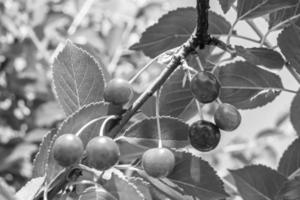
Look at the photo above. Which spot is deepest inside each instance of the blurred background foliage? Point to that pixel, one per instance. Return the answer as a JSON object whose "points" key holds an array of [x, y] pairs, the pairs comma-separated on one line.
{"points": [[31, 34]]}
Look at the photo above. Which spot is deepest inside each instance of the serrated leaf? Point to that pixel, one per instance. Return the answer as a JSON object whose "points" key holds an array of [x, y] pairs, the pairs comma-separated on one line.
{"points": [[175, 95], [78, 79], [258, 182], [96, 193], [142, 186], [30, 189], [129, 151], [247, 86], [80, 118], [295, 113], [174, 28], [174, 133], [289, 44], [6, 191], [290, 160], [196, 178], [122, 189], [256, 8], [283, 18], [226, 5], [261, 56], [163, 188], [72, 124], [290, 190], [41, 158]]}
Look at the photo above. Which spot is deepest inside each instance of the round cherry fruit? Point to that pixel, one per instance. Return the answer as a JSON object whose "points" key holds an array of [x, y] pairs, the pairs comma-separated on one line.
{"points": [[204, 136], [102, 152], [227, 117], [158, 162], [118, 91], [67, 149], [205, 87]]}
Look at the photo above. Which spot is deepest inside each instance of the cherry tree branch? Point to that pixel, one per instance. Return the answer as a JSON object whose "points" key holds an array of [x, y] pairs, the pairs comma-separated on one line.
{"points": [[199, 39]]}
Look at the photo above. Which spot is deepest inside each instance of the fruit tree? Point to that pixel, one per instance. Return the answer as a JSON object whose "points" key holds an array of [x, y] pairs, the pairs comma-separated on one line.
{"points": [[122, 138]]}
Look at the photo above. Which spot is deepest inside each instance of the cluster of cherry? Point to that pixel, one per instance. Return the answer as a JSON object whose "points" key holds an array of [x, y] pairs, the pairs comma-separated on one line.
{"points": [[103, 152], [204, 135]]}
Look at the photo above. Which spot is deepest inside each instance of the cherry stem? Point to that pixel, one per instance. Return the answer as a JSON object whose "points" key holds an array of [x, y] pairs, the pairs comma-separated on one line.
{"points": [[158, 118], [199, 63], [88, 124], [102, 128]]}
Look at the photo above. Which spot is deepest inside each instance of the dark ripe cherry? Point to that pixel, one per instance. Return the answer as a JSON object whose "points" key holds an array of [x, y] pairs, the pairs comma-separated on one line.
{"points": [[67, 149], [204, 136], [205, 87], [158, 162], [118, 91], [227, 117], [102, 152]]}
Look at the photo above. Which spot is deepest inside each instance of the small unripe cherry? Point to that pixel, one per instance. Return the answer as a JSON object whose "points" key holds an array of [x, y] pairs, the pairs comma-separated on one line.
{"points": [[67, 149], [158, 162], [118, 91], [227, 117], [205, 87], [204, 136], [102, 152]]}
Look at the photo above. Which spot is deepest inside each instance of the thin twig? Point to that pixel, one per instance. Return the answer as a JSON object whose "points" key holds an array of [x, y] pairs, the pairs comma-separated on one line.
{"points": [[222, 45]]}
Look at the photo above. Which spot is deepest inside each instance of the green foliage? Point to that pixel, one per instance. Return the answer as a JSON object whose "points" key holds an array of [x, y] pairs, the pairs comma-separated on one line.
{"points": [[56, 62]]}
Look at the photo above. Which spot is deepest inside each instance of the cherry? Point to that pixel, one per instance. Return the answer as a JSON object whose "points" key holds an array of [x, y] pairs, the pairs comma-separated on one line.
{"points": [[204, 136], [102, 152], [205, 87], [158, 162], [227, 117], [67, 149], [118, 91]]}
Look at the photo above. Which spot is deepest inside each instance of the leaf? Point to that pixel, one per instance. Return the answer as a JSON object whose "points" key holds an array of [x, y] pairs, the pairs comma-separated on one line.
{"points": [[247, 86], [41, 159], [142, 186], [86, 114], [290, 190], [30, 189], [261, 56], [256, 8], [226, 5], [129, 151], [175, 95], [163, 188], [258, 182], [290, 160], [72, 124], [284, 17], [96, 193], [122, 189], [78, 79], [6, 191], [174, 28], [295, 113], [289, 44], [174, 133], [196, 177]]}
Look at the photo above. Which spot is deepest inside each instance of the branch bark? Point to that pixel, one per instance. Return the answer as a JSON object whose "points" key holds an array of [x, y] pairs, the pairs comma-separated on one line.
{"points": [[199, 39]]}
